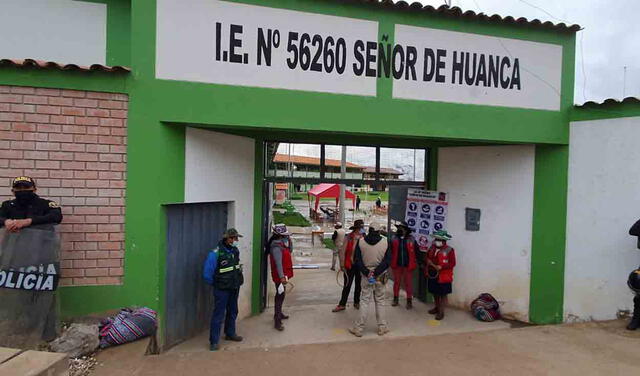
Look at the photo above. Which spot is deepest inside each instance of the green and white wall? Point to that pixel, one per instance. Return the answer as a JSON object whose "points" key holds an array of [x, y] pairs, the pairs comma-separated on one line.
{"points": [[177, 85]]}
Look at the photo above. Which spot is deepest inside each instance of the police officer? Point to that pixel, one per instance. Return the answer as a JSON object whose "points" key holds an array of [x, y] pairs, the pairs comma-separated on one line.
{"points": [[222, 269], [27, 209], [634, 283]]}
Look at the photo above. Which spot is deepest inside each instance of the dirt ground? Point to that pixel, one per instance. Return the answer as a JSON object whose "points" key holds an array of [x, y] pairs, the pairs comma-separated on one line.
{"points": [[577, 349]]}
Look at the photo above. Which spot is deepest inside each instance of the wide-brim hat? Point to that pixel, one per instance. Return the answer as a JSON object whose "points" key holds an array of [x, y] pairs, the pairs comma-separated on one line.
{"points": [[442, 235], [359, 223], [404, 225], [281, 229], [231, 233], [338, 224], [377, 226]]}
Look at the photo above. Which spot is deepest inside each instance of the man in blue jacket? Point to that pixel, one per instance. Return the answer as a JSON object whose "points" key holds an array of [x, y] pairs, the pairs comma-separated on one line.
{"points": [[223, 271]]}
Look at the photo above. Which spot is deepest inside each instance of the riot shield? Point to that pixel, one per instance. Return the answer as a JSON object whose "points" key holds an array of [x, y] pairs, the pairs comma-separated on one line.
{"points": [[29, 275]]}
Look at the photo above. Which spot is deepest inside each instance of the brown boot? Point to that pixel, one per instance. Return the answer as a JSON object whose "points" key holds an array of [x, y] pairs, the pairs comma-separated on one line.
{"points": [[434, 310]]}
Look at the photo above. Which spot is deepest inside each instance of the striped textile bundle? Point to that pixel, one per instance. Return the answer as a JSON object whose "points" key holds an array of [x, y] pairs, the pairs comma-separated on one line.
{"points": [[129, 325], [486, 308]]}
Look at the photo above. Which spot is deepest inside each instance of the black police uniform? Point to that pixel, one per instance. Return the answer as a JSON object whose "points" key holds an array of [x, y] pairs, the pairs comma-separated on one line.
{"points": [[40, 210], [635, 319]]}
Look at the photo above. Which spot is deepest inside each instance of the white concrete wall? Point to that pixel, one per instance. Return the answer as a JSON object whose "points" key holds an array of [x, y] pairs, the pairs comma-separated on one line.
{"points": [[603, 203], [63, 31], [497, 259], [220, 167]]}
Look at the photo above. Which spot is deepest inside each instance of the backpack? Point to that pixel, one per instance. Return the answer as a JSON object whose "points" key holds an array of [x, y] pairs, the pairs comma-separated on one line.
{"points": [[486, 308]]}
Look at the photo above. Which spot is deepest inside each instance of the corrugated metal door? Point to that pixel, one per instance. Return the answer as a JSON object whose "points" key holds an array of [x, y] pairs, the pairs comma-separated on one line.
{"points": [[192, 230]]}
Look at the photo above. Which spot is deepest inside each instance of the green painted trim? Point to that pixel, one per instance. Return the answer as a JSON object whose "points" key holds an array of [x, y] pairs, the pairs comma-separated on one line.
{"points": [[549, 234], [57, 79], [605, 111], [258, 198], [76, 301]]}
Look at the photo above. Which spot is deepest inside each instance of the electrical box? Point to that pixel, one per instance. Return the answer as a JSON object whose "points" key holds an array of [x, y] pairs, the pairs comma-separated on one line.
{"points": [[472, 219]]}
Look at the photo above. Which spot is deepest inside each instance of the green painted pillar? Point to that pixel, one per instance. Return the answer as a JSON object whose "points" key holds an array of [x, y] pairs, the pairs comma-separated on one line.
{"points": [[258, 204], [549, 234]]}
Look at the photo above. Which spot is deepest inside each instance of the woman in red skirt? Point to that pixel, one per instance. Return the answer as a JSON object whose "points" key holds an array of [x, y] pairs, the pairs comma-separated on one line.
{"points": [[440, 261]]}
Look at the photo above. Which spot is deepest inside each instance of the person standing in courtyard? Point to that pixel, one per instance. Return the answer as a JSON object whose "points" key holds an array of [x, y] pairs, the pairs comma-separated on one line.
{"points": [[223, 271], [358, 200], [403, 263], [351, 277], [378, 203], [338, 237], [440, 260], [371, 260], [280, 249]]}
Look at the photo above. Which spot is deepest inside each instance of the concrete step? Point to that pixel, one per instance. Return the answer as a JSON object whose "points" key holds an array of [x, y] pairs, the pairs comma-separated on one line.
{"points": [[32, 363]]}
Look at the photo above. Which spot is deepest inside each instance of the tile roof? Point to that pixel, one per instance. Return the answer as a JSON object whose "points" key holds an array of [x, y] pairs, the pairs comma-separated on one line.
{"points": [[456, 12], [383, 170], [41, 64], [609, 101], [312, 161]]}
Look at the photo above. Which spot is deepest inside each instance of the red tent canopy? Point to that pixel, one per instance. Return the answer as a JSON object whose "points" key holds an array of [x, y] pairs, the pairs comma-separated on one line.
{"points": [[330, 190]]}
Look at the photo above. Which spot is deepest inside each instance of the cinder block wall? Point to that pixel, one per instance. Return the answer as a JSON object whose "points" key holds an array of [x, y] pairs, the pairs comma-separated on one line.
{"points": [[74, 144]]}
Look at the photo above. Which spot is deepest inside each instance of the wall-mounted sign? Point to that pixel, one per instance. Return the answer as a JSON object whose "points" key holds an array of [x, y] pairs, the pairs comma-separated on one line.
{"points": [[220, 42], [426, 212], [238, 44], [456, 67]]}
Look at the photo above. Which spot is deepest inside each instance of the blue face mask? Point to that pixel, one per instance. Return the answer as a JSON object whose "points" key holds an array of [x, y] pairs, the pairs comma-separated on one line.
{"points": [[363, 231], [235, 243]]}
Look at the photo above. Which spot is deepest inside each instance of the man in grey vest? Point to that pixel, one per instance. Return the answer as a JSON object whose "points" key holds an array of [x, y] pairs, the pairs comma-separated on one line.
{"points": [[372, 258]]}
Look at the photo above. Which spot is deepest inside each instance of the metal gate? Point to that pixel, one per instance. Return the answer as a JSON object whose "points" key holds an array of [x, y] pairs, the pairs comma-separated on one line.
{"points": [[192, 231]]}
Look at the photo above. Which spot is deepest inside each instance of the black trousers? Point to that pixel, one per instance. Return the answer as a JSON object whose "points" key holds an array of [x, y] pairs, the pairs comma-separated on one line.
{"points": [[351, 276], [279, 300]]}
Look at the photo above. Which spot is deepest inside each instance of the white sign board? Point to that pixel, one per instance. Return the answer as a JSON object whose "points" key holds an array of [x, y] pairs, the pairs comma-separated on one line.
{"points": [[467, 68], [426, 212], [213, 41]]}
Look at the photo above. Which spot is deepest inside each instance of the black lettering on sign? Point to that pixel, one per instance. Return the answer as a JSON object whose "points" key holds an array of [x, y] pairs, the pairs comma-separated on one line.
{"points": [[371, 58], [292, 61], [412, 58], [469, 70], [218, 38], [481, 76], [504, 81], [494, 70], [457, 67], [341, 55], [264, 46], [384, 59], [440, 65], [329, 58], [235, 42], [305, 51], [515, 77], [358, 66], [429, 67], [398, 66]]}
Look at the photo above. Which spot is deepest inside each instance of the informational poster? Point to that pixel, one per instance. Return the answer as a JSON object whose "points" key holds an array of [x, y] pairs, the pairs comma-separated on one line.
{"points": [[426, 213]]}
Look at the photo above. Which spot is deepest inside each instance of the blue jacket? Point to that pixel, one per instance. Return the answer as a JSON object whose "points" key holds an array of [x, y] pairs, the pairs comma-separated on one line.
{"points": [[211, 263]]}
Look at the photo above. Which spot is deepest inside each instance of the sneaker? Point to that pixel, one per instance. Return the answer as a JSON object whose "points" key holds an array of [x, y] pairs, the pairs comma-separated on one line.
{"points": [[356, 332], [356, 305], [234, 338], [214, 347], [338, 308], [382, 330]]}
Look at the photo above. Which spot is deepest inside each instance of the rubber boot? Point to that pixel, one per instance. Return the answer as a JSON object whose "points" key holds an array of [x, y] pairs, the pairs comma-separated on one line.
{"points": [[409, 303], [635, 319], [396, 301]]}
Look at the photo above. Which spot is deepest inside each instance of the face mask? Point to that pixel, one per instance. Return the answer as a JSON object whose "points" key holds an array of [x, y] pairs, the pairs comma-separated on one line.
{"points": [[25, 197], [439, 243], [363, 231], [236, 244]]}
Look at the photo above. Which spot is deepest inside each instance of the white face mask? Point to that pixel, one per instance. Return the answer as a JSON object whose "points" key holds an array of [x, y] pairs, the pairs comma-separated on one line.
{"points": [[236, 244], [439, 243]]}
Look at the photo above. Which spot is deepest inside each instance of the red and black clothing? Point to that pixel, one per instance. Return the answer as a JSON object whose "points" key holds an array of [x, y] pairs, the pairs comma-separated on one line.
{"points": [[444, 257], [351, 275], [281, 266], [403, 263]]}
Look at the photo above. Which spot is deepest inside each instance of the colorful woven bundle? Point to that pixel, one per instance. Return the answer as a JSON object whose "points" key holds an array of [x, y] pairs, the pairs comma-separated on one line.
{"points": [[129, 325], [486, 308]]}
